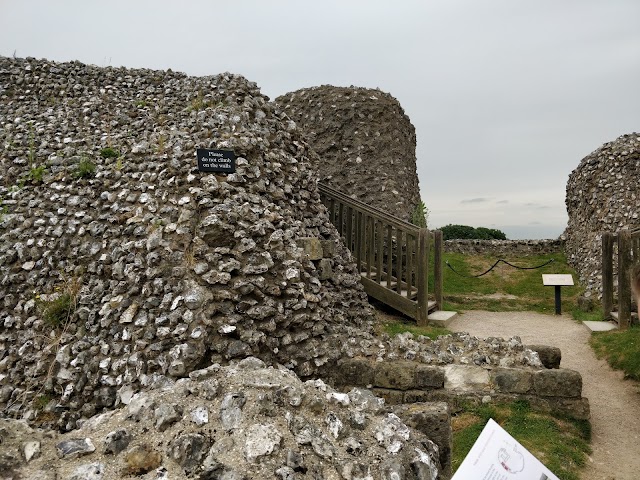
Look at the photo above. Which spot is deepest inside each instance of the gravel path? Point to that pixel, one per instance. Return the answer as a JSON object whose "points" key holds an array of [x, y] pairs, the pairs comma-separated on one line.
{"points": [[615, 402]]}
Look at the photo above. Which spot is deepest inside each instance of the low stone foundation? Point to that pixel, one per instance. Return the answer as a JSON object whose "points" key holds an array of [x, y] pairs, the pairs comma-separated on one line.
{"points": [[503, 248], [407, 382]]}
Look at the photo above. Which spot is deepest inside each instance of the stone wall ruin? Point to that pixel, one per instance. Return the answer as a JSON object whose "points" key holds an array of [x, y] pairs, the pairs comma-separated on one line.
{"points": [[170, 269], [602, 196], [187, 289], [366, 144]]}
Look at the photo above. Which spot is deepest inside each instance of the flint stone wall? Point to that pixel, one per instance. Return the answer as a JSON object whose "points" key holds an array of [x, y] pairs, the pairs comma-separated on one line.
{"points": [[504, 248], [602, 196], [171, 269], [366, 145]]}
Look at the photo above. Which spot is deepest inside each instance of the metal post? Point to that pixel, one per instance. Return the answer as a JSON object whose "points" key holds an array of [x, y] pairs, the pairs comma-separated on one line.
{"points": [[558, 301]]}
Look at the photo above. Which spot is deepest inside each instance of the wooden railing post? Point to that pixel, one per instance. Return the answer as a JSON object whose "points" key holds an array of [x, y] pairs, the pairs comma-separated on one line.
{"points": [[359, 240], [378, 240], [437, 267], [423, 276], [607, 275], [624, 280]]}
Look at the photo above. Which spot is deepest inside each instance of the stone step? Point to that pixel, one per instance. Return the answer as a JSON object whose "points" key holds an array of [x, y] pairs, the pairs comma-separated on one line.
{"points": [[600, 326], [441, 318]]}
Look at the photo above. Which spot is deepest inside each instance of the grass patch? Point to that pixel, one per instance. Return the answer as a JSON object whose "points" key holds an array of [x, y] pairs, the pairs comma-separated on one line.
{"points": [[109, 152], [85, 169], [560, 442], [57, 312], [36, 174], [621, 349]]}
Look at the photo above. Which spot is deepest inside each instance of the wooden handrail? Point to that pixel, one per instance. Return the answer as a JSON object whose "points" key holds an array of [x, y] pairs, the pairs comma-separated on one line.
{"points": [[363, 207], [392, 255]]}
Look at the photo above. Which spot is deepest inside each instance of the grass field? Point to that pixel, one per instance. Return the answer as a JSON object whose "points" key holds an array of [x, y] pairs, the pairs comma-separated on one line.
{"points": [[506, 288], [621, 349], [561, 443]]}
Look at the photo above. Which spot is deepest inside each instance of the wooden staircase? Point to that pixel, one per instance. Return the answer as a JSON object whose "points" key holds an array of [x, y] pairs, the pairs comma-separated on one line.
{"points": [[391, 255]]}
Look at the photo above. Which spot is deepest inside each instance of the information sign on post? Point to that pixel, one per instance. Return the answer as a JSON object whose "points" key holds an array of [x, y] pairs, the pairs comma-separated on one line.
{"points": [[218, 161], [557, 281]]}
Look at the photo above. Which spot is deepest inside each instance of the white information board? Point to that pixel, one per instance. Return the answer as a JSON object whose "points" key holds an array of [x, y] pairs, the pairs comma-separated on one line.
{"points": [[496, 455], [555, 279]]}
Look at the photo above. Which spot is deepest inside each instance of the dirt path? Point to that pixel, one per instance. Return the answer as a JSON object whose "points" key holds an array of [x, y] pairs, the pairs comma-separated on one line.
{"points": [[615, 403]]}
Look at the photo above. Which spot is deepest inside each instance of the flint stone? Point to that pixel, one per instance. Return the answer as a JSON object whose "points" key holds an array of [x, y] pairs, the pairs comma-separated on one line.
{"points": [[200, 416], [138, 405], [365, 400], [31, 450], [188, 451], [392, 433], [334, 424], [423, 466], [261, 440], [166, 415], [549, 356], [237, 348], [434, 420], [75, 447], [116, 441], [195, 297], [90, 471], [231, 410]]}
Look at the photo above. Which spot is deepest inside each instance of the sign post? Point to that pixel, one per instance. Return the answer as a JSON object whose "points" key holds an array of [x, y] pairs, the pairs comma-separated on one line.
{"points": [[557, 281]]}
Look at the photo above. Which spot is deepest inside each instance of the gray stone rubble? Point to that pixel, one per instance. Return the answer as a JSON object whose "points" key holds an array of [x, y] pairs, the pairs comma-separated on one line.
{"points": [[281, 428]]}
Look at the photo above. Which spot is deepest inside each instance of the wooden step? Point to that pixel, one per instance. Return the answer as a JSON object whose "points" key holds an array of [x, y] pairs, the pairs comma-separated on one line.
{"points": [[393, 286]]}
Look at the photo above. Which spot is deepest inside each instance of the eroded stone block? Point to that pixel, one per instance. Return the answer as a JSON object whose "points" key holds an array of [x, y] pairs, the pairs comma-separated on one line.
{"points": [[396, 375], [465, 378], [557, 383], [512, 380]]}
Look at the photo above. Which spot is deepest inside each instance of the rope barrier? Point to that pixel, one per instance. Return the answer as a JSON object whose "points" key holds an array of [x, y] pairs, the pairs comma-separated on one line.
{"points": [[494, 266]]}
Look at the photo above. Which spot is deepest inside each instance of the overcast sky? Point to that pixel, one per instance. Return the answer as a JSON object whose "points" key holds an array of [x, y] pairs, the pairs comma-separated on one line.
{"points": [[507, 96]]}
